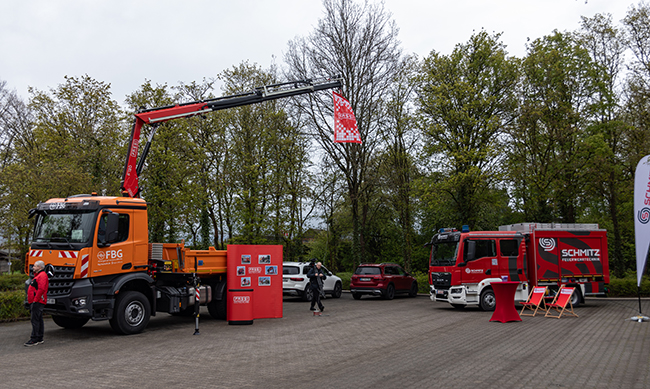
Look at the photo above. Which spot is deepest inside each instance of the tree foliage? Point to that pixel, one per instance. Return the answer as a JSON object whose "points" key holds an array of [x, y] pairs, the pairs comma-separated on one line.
{"points": [[472, 137]]}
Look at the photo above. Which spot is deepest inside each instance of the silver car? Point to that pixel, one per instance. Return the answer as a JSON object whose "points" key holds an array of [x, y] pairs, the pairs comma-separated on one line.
{"points": [[296, 283]]}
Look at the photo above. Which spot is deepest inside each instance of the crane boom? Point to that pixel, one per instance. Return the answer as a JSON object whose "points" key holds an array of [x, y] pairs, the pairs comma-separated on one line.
{"points": [[155, 116]]}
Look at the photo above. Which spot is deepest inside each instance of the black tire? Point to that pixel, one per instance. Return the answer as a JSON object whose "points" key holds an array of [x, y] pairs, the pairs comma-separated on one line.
{"points": [[458, 306], [69, 323], [389, 294], [217, 308], [356, 296], [488, 302], [307, 293], [414, 289], [338, 289], [132, 313], [576, 296]]}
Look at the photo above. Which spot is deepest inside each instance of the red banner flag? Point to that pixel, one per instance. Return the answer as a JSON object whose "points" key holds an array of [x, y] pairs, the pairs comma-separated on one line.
{"points": [[345, 124]]}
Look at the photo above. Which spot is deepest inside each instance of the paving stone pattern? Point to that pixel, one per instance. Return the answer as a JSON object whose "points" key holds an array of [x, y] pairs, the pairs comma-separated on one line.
{"points": [[371, 343]]}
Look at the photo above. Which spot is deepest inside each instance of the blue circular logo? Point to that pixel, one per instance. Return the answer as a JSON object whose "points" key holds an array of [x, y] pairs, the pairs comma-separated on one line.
{"points": [[644, 215]]}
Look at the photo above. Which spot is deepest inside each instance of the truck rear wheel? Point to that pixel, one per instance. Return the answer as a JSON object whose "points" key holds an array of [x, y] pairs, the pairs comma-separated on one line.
{"points": [[218, 308], [132, 313], [488, 302], [69, 323], [576, 296]]}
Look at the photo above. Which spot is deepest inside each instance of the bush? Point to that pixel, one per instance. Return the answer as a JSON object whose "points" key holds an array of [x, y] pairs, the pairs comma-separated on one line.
{"points": [[626, 287], [345, 279], [12, 282], [423, 281], [11, 305]]}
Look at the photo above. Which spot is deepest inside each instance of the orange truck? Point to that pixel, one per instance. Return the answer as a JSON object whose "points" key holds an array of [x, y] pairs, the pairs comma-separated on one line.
{"points": [[101, 263]]}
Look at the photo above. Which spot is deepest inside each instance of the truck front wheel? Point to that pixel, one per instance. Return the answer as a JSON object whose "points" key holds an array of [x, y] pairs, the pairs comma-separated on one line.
{"points": [[488, 301], [132, 313], [69, 323]]}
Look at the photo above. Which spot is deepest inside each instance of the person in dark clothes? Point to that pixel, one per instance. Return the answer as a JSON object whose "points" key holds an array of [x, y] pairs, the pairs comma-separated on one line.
{"points": [[316, 277], [37, 297]]}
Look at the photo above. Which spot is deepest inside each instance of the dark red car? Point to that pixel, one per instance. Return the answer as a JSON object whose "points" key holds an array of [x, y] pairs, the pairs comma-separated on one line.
{"points": [[382, 279]]}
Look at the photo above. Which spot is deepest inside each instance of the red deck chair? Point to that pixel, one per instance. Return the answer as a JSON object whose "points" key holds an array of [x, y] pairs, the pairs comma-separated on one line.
{"points": [[562, 297], [535, 301]]}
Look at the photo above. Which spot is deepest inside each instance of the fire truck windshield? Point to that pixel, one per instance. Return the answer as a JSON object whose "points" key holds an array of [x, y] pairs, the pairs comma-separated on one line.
{"points": [[444, 253], [64, 228]]}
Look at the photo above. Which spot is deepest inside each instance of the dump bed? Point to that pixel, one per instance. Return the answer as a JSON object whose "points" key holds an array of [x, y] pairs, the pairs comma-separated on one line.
{"points": [[176, 258]]}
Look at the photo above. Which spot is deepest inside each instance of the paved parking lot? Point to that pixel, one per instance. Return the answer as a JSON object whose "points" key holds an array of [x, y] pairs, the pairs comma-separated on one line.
{"points": [[370, 343]]}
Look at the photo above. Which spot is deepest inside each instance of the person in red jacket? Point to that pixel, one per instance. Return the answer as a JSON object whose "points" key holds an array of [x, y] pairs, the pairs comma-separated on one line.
{"points": [[37, 297]]}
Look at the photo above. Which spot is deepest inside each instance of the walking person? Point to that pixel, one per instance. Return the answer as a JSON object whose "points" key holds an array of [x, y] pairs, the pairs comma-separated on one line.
{"points": [[37, 297], [316, 277]]}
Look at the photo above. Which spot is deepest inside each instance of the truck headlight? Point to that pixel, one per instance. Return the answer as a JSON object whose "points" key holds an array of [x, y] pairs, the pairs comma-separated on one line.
{"points": [[80, 302]]}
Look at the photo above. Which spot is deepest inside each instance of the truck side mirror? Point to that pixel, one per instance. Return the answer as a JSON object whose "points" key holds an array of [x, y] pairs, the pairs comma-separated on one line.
{"points": [[470, 250], [108, 229]]}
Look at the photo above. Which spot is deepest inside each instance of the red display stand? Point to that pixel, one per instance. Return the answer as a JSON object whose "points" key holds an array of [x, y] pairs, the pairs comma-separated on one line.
{"points": [[240, 306], [257, 269], [504, 293]]}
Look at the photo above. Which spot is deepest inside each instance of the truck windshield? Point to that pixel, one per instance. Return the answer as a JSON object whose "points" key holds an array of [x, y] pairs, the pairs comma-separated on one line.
{"points": [[444, 253], [64, 227]]}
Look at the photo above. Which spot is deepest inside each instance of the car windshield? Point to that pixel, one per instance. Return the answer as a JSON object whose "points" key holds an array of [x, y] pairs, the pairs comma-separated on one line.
{"points": [[444, 253], [367, 270], [290, 270], [64, 227]]}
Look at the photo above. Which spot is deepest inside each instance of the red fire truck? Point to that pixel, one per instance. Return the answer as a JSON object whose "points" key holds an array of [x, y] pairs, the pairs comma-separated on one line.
{"points": [[463, 264]]}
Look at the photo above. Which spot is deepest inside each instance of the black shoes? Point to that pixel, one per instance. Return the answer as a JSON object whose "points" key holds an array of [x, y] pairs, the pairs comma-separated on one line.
{"points": [[31, 343]]}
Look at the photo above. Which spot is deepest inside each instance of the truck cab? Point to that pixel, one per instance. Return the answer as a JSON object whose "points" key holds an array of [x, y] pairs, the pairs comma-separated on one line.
{"points": [[463, 264], [104, 268]]}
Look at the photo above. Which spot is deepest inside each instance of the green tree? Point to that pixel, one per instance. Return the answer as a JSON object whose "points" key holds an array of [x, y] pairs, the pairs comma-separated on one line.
{"points": [[67, 141], [466, 102], [608, 189], [167, 171], [551, 149], [401, 138]]}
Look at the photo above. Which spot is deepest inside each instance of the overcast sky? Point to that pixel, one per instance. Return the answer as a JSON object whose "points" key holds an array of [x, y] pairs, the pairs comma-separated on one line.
{"points": [[125, 42]]}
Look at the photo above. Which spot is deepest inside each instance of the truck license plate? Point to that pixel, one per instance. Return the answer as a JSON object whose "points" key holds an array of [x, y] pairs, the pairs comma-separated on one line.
{"points": [[51, 301]]}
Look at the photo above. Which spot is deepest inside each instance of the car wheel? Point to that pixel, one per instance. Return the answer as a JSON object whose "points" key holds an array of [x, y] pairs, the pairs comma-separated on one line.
{"points": [[69, 323], [307, 293], [389, 294], [337, 290], [356, 296], [488, 301], [132, 313], [414, 289]]}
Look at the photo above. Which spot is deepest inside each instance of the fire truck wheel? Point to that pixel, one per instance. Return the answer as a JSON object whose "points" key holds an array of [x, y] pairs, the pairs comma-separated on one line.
{"points": [[132, 313], [218, 308], [337, 290], [389, 293], [306, 294], [488, 301], [576, 296], [69, 323], [414, 289]]}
